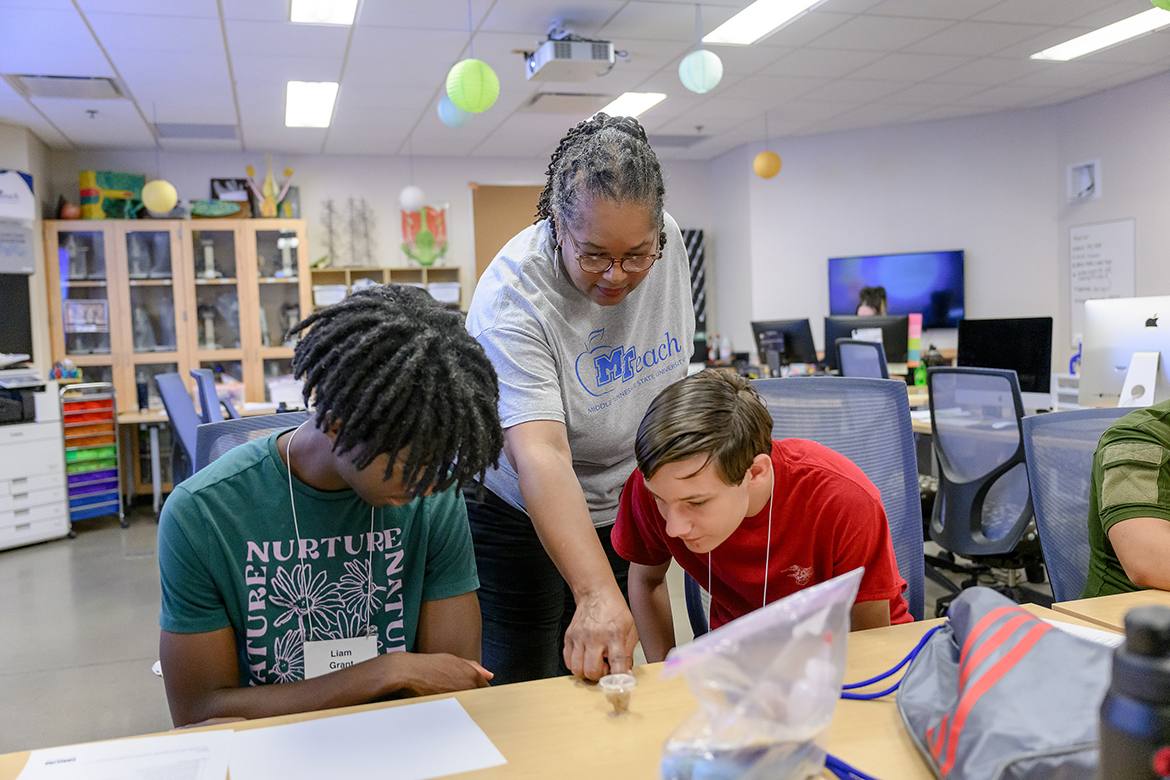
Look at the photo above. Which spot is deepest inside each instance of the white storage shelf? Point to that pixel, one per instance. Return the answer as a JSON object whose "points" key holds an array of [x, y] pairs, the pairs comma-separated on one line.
{"points": [[33, 504]]}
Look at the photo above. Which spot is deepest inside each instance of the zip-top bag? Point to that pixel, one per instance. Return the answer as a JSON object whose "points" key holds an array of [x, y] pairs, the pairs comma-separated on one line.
{"points": [[999, 694]]}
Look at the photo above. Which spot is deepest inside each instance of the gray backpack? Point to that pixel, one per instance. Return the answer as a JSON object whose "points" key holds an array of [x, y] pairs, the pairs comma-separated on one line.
{"points": [[998, 694]]}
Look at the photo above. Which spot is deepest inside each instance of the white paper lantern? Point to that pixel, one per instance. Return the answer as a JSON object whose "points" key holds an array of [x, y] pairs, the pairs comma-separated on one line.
{"points": [[412, 198], [700, 71]]}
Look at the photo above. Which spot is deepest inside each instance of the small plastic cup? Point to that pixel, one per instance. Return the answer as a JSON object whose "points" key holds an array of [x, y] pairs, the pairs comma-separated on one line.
{"points": [[617, 689]]}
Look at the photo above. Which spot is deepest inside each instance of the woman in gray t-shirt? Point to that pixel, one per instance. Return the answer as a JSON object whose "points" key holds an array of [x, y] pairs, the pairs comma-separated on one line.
{"points": [[586, 317]]}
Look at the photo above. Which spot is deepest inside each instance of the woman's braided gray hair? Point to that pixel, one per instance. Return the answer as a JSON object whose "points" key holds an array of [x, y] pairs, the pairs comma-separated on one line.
{"points": [[604, 156]]}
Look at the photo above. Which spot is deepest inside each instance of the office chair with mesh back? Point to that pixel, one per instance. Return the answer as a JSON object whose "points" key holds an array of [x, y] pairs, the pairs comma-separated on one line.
{"points": [[214, 439], [983, 508], [209, 398], [1059, 450], [862, 358], [183, 421]]}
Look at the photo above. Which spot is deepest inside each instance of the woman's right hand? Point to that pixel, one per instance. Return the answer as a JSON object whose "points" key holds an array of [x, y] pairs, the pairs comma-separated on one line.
{"points": [[600, 639]]}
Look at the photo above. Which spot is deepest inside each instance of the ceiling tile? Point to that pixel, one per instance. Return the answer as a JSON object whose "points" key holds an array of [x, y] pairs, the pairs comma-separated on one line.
{"points": [[932, 9], [745, 59], [285, 39], [190, 109], [141, 71], [1068, 75], [366, 104], [806, 29], [429, 15], [948, 112], [646, 55], [661, 21], [910, 67], [188, 8], [856, 91], [1147, 50], [528, 135], [990, 71], [879, 33], [822, 63], [116, 123], [771, 90], [158, 33], [533, 17], [1111, 11], [1008, 96], [281, 69], [393, 55], [256, 10], [1046, 12], [873, 115], [14, 109], [975, 39], [50, 43], [933, 93]]}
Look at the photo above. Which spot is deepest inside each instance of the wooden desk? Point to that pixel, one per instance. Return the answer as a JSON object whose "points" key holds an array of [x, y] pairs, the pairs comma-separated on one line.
{"points": [[562, 727], [918, 395], [1109, 611]]}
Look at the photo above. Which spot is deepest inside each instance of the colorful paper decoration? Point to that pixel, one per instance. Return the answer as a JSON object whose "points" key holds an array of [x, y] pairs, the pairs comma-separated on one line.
{"points": [[159, 196], [700, 71], [914, 341], [452, 115], [110, 194], [766, 164], [266, 194], [473, 86], [424, 234]]}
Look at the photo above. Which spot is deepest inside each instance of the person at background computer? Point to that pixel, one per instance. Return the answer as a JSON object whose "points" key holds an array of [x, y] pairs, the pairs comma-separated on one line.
{"points": [[350, 527], [586, 315], [871, 301], [752, 519], [1129, 505]]}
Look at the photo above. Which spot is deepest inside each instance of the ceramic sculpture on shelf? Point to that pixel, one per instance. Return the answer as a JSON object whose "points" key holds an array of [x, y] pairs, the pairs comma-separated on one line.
{"points": [[209, 271], [78, 267], [145, 339], [266, 195], [138, 256], [286, 244], [290, 315], [207, 336], [160, 267]]}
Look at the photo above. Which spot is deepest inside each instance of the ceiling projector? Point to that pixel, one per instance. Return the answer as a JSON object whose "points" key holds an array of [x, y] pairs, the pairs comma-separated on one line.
{"points": [[569, 60]]}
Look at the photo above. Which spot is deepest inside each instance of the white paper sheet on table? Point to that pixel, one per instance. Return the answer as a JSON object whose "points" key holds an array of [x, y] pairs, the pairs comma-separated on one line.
{"points": [[201, 756], [410, 742], [1107, 638]]}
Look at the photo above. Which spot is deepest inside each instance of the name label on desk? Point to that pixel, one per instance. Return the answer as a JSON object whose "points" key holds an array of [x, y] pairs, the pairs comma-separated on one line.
{"points": [[330, 655]]}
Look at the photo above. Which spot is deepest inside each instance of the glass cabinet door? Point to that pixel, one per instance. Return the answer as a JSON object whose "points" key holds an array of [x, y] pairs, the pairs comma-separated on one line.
{"points": [[152, 291], [217, 296], [277, 264], [85, 292]]}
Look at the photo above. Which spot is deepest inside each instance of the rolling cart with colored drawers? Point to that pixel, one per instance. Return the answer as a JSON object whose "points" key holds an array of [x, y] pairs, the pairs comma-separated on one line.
{"points": [[89, 413]]}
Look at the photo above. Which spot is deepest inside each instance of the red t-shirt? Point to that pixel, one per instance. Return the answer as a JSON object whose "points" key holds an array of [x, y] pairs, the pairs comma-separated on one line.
{"points": [[828, 520]]}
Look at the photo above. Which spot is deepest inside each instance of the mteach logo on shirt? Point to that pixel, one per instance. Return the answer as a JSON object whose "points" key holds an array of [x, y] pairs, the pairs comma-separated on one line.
{"points": [[604, 368]]}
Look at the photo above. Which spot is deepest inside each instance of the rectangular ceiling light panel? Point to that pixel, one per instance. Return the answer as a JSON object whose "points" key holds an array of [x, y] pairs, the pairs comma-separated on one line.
{"points": [[322, 11], [759, 20], [633, 103], [309, 103], [1111, 35]]}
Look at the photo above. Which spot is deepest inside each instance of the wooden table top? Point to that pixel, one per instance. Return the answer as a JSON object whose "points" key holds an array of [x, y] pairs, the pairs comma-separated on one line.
{"points": [[1109, 611], [562, 727], [156, 416]]}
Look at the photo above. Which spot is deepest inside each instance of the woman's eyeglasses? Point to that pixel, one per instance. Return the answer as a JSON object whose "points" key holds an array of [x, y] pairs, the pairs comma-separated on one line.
{"points": [[599, 264]]}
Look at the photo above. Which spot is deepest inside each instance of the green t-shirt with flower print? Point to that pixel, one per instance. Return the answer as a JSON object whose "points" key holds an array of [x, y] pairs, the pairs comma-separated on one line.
{"points": [[229, 557]]}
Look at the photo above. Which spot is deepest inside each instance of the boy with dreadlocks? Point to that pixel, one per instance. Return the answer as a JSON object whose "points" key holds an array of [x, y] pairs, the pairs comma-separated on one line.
{"points": [[295, 566]]}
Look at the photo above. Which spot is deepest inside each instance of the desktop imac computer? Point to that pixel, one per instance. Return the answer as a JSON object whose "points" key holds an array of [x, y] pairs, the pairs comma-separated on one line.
{"points": [[1023, 345], [781, 342], [1116, 328], [895, 332]]}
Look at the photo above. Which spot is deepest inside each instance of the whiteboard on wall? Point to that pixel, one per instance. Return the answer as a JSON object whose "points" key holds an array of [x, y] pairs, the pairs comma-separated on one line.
{"points": [[1100, 263]]}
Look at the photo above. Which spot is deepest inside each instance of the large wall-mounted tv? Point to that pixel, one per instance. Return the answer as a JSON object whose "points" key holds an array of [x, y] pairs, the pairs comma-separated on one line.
{"points": [[929, 283]]}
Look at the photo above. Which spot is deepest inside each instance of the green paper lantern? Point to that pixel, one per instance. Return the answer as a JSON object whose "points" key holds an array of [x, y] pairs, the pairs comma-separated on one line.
{"points": [[1163, 4], [473, 86], [700, 71]]}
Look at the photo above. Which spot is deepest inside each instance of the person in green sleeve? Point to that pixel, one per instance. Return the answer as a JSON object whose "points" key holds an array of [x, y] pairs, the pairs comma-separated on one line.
{"points": [[1129, 505], [331, 564]]}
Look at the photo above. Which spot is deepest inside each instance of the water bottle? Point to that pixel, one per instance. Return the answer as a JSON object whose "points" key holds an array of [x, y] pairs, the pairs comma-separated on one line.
{"points": [[1135, 715]]}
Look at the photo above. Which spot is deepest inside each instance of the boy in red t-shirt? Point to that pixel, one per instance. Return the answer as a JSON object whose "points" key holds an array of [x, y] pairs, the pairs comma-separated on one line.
{"points": [[715, 492]]}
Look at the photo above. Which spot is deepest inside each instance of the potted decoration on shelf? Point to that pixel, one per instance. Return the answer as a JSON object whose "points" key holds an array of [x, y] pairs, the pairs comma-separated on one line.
{"points": [[424, 234]]}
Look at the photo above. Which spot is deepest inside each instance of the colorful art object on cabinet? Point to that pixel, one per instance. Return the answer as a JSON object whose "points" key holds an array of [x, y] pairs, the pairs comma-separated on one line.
{"points": [[266, 193], [67, 210], [159, 196], [217, 209], [424, 234], [64, 369], [110, 194]]}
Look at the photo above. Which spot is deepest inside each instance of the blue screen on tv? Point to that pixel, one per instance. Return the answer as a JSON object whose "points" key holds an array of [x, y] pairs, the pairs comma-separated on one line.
{"points": [[929, 283]]}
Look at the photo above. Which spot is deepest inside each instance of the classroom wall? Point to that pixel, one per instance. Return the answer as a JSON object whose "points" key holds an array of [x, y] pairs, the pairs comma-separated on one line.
{"points": [[23, 151], [992, 185]]}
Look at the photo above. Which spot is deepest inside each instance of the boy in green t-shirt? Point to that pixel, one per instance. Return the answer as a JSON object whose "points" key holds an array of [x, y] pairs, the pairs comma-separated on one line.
{"points": [[332, 564]]}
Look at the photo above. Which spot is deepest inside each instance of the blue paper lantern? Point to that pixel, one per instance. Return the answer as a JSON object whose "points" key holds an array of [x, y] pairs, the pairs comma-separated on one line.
{"points": [[700, 71], [452, 115]]}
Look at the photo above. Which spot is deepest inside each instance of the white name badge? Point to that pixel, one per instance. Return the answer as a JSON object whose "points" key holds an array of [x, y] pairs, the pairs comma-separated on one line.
{"points": [[330, 655]]}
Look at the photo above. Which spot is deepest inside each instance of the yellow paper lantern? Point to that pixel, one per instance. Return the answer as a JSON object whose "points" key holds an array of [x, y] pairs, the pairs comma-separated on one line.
{"points": [[159, 196], [766, 164], [473, 86]]}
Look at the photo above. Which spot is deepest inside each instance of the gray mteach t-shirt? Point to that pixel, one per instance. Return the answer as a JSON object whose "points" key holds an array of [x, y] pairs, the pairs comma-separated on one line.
{"points": [[561, 356]]}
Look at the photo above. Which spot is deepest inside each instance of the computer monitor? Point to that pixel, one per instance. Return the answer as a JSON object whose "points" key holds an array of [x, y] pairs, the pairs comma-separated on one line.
{"points": [[929, 283], [895, 333], [1115, 328], [15, 315], [1023, 345], [790, 341]]}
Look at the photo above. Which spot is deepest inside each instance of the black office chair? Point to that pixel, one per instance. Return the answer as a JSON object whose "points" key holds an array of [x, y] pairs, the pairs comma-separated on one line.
{"points": [[862, 358], [209, 398], [983, 510], [183, 422]]}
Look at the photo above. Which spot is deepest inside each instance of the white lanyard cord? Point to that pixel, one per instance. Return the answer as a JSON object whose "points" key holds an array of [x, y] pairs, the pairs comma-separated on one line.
{"points": [[767, 549], [297, 529]]}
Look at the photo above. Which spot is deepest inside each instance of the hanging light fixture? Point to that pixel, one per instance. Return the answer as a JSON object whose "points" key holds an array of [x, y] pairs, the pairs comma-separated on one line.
{"points": [[767, 163], [701, 70], [472, 85]]}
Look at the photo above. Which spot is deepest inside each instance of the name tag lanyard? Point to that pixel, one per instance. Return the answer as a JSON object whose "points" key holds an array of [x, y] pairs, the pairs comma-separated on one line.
{"points": [[317, 654], [767, 547]]}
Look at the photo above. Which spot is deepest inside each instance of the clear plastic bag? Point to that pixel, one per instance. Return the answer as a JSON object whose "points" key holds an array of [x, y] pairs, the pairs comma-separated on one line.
{"points": [[767, 686]]}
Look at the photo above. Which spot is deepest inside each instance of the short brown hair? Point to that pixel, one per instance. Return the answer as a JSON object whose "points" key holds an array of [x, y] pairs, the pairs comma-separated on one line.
{"points": [[714, 413]]}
